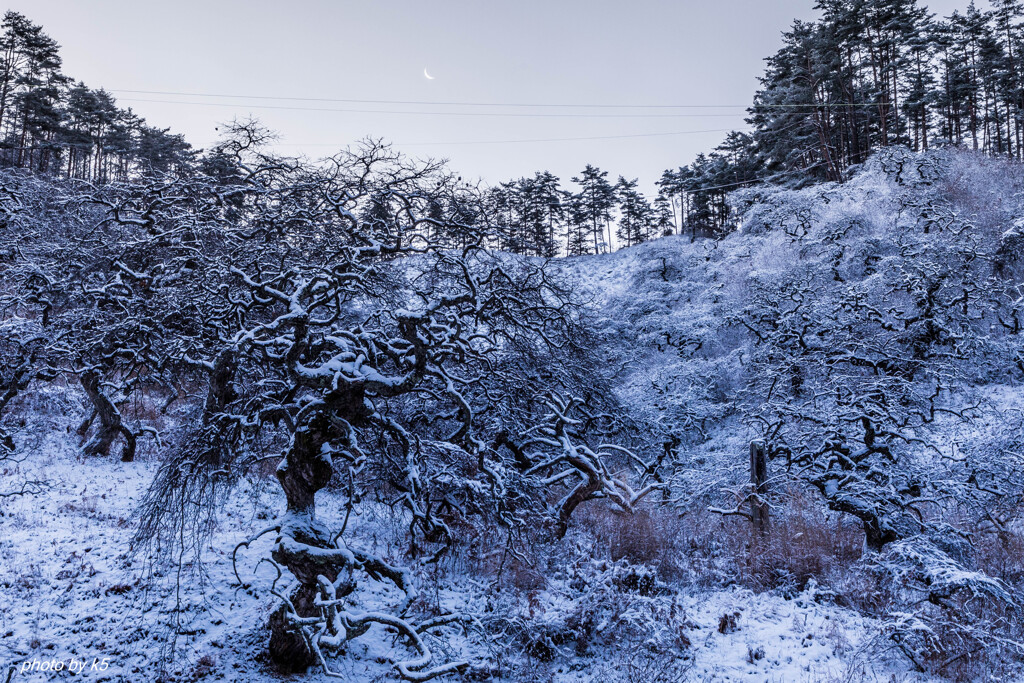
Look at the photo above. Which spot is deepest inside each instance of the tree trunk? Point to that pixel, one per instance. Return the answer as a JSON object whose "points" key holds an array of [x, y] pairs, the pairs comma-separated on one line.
{"points": [[110, 421], [305, 470], [758, 479], [288, 649], [222, 389]]}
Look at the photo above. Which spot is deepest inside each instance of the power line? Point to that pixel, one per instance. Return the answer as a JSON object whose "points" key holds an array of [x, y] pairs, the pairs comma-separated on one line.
{"points": [[434, 103], [567, 105], [472, 142], [431, 113], [508, 142]]}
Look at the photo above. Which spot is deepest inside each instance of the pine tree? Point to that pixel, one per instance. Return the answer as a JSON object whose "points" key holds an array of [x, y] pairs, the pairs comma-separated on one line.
{"points": [[1006, 15], [577, 226], [596, 199], [162, 151], [551, 197], [540, 213], [664, 218], [35, 92], [672, 188], [635, 213], [16, 31]]}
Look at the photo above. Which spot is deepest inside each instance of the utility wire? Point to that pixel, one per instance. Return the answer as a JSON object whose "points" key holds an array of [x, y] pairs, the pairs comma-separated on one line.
{"points": [[812, 105], [508, 142], [431, 113], [435, 103], [473, 142]]}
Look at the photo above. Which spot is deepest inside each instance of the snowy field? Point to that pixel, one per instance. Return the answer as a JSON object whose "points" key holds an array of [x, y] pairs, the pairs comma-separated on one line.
{"points": [[72, 593]]}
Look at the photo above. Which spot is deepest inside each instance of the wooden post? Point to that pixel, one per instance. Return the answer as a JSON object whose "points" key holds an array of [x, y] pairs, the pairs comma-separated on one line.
{"points": [[758, 479]]}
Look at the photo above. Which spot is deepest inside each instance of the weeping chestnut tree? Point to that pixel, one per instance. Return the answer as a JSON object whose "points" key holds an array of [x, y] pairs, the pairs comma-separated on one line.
{"points": [[345, 336], [344, 320], [336, 369]]}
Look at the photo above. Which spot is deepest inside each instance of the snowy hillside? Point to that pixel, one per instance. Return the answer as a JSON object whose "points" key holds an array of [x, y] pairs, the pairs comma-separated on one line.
{"points": [[78, 597], [350, 445]]}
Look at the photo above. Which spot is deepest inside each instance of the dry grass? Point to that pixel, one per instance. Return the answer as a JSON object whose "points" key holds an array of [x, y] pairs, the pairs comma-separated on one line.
{"points": [[804, 542], [650, 536]]}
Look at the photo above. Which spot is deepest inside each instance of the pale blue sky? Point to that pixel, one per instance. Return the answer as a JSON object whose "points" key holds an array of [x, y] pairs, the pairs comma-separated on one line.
{"points": [[686, 52]]}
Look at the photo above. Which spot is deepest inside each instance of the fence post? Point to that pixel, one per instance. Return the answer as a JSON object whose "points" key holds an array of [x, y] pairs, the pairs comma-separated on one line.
{"points": [[758, 479]]}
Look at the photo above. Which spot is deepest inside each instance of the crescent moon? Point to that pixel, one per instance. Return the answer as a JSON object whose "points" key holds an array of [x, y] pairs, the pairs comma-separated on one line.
{"points": [[429, 77]]}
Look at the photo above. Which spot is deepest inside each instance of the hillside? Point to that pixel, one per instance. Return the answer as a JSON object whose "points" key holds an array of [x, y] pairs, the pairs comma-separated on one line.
{"points": [[483, 466]]}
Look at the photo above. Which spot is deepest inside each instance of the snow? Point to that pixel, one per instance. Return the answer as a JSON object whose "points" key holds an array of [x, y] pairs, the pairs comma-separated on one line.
{"points": [[72, 592]]}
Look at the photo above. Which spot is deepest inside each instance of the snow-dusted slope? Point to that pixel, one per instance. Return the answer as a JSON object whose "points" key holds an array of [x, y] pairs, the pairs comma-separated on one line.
{"points": [[71, 594]]}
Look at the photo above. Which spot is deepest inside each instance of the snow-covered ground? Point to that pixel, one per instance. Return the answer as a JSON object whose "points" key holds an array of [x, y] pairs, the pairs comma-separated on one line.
{"points": [[71, 593]]}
